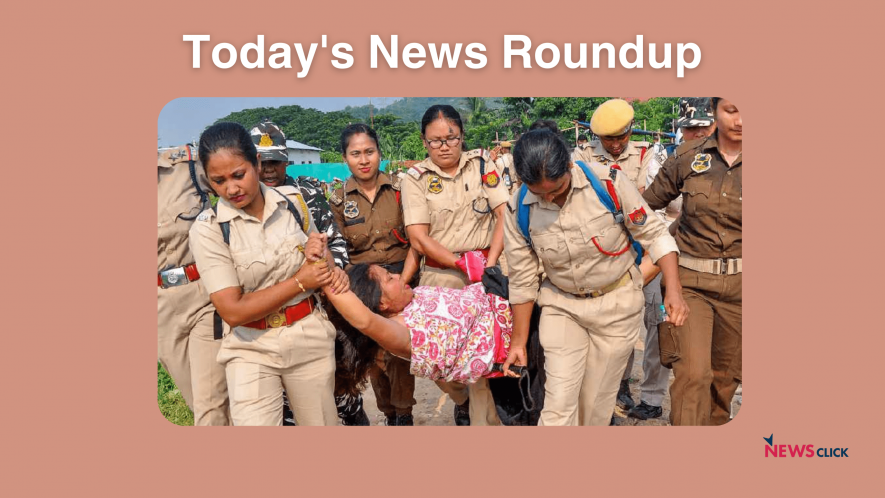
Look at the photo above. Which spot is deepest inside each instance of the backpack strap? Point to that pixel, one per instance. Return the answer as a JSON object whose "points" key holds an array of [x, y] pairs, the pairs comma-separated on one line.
{"points": [[204, 197], [609, 198], [523, 213], [303, 221]]}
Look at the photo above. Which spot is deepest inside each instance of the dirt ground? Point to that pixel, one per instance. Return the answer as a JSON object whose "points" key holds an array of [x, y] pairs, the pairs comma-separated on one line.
{"points": [[435, 408]]}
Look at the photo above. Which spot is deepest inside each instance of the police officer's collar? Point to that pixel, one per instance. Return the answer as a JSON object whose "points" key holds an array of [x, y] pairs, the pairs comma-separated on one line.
{"points": [[465, 157], [351, 185], [599, 150], [579, 181], [712, 142], [273, 200]]}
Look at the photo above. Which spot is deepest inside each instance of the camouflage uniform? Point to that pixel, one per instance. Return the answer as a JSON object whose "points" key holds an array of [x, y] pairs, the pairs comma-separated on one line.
{"points": [[271, 144]]}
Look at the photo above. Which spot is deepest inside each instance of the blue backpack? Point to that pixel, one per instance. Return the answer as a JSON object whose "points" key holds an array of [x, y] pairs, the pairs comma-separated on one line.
{"points": [[608, 198]]}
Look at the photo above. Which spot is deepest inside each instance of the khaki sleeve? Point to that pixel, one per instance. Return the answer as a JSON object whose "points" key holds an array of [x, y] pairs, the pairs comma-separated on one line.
{"points": [[585, 154], [642, 179], [212, 257], [666, 185], [416, 211], [523, 263], [498, 194], [642, 222]]}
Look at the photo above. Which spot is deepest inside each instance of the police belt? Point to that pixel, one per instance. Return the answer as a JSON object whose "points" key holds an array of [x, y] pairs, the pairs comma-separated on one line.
{"points": [[285, 317], [173, 277], [608, 288], [724, 266], [428, 261]]}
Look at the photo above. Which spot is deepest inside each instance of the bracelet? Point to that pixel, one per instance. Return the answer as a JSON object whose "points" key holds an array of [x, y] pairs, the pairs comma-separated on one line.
{"points": [[299, 284]]}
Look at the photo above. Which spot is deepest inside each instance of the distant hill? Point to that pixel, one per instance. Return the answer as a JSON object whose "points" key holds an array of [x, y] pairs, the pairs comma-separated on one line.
{"points": [[412, 108]]}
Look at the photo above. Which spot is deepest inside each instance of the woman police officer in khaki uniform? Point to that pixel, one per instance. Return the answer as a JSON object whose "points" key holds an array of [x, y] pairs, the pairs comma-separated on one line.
{"points": [[186, 341], [453, 203], [369, 212], [591, 299], [250, 250]]}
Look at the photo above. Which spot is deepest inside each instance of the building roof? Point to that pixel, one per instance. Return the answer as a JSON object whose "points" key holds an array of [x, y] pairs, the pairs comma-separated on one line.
{"points": [[291, 144]]}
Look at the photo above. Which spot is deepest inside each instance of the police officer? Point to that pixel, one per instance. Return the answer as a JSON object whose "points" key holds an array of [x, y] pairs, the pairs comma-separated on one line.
{"points": [[612, 122], [252, 249], [695, 121], [453, 204], [705, 353], [186, 345], [591, 298], [270, 141], [369, 210]]}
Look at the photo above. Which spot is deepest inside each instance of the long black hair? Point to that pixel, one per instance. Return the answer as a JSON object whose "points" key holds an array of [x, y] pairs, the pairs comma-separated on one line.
{"points": [[229, 136], [541, 154], [355, 352]]}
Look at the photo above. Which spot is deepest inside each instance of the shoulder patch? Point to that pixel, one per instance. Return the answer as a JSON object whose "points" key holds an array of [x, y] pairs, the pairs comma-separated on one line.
{"points": [[206, 216], [178, 155], [416, 172], [396, 182], [334, 199], [474, 153], [288, 190]]}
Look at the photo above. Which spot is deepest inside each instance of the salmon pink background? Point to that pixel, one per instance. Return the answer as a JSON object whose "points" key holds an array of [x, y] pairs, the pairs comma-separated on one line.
{"points": [[87, 80]]}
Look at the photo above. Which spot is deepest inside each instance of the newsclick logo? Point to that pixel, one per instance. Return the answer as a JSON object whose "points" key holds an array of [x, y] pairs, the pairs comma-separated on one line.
{"points": [[806, 450]]}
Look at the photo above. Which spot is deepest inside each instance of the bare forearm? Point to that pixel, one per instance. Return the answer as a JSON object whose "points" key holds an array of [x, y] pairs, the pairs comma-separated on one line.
{"points": [[522, 317], [670, 267], [429, 247], [237, 308], [497, 246], [410, 267]]}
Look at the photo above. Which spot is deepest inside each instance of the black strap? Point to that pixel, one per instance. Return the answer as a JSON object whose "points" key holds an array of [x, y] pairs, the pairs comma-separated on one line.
{"points": [[218, 326], [524, 392], [204, 197], [225, 225]]}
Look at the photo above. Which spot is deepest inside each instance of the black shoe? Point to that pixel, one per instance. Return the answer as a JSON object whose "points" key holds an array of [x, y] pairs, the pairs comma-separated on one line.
{"points": [[645, 411], [625, 401], [391, 420], [402, 420], [462, 413], [358, 418]]}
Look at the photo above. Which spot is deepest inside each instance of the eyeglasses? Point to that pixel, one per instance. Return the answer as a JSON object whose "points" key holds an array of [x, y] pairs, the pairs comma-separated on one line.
{"points": [[436, 144]]}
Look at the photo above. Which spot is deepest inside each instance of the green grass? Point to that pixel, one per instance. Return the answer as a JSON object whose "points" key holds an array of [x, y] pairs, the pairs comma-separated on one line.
{"points": [[171, 403]]}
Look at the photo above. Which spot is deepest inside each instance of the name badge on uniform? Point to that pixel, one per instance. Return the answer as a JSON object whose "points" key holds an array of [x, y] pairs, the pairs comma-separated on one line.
{"points": [[701, 163], [434, 184], [351, 211], [491, 179]]}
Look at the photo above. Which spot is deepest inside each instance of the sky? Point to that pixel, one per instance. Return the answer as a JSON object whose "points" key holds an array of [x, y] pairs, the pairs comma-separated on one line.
{"points": [[183, 119]]}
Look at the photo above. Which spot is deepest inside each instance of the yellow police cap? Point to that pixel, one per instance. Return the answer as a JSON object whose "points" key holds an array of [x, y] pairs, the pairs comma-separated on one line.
{"points": [[612, 118], [505, 144]]}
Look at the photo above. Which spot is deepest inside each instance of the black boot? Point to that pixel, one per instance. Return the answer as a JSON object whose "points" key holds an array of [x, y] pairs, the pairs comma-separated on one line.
{"points": [[625, 401], [462, 413], [645, 411], [403, 420], [391, 420]]}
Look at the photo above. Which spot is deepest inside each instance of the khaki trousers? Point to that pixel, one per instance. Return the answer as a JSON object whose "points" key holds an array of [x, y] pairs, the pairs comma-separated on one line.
{"points": [[586, 345], [705, 353], [482, 406], [394, 385], [187, 349], [299, 358], [655, 377]]}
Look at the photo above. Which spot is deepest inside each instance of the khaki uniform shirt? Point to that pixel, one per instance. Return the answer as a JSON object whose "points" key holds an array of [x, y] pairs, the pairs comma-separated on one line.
{"points": [[712, 192], [458, 208], [176, 196], [570, 243], [261, 253], [632, 162], [371, 228]]}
